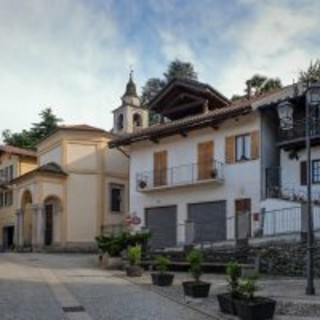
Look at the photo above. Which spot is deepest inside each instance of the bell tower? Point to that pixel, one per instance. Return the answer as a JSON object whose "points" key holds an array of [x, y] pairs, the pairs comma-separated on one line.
{"points": [[131, 116]]}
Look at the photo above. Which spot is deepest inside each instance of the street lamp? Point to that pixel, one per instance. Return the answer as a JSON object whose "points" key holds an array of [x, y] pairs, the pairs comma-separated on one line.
{"points": [[312, 100]]}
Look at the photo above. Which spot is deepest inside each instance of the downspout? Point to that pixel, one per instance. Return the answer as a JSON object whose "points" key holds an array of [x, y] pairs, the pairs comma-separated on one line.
{"points": [[123, 152]]}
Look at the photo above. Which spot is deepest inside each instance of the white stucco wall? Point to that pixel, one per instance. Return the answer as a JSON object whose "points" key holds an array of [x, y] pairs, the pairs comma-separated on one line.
{"points": [[82, 207], [290, 171], [53, 155], [242, 180], [82, 156]]}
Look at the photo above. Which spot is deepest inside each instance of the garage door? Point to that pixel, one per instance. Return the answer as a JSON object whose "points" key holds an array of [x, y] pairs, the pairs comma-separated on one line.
{"points": [[209, 221], [162, 222]]}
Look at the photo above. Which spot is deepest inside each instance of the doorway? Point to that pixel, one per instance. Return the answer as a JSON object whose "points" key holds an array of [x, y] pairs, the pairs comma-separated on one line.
{"points": [[243, 220], [48, 230]]}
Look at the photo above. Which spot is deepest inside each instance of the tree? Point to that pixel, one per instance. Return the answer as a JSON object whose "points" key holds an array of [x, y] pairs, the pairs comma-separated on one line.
{"points": [[261, 84], [150, 89], [312, 73], [180, 69], [175, 69], [28, 138]]}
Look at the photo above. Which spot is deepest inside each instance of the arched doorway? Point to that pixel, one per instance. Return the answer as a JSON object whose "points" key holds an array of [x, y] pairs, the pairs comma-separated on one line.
{"points": [[52, 205], [26, 206]]}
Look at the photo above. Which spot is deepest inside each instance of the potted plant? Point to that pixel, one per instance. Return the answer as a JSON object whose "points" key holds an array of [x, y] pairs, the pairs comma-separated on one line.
{"points": [[134, 257], [196, 288], [162, 278], [226, 300], [250, 307], [111, 247]]}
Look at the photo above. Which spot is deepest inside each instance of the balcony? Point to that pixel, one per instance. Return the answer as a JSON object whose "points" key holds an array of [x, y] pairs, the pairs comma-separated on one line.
{"points": [[295, 136], [180, 176]]}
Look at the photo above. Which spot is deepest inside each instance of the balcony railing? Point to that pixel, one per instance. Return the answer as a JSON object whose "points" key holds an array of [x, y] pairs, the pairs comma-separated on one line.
{"points": [[180, 176], [298, 131]]}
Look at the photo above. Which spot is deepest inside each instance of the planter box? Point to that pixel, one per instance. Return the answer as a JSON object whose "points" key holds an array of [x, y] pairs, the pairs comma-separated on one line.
{"points": [[162, 279], [111, 263], [196, 289], [226, 303], [258, 309], [134, 271]]}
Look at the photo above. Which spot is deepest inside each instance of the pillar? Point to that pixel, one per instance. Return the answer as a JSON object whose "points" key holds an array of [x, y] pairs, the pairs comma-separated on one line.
{"points": [[19, 228]]}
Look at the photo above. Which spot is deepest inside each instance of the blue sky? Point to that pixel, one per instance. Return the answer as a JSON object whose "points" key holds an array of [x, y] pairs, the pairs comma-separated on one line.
{"points": [[75, 55]]}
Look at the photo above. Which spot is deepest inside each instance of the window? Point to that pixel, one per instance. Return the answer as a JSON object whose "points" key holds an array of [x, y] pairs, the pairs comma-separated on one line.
{"points": [[137, 120], [243, 150], [160, 160], [6, 199], [116, 195], [316, 171], [120, 122], [205, 160]]}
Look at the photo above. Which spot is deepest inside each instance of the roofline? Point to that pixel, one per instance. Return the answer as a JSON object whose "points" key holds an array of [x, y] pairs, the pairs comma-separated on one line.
{"points": [[36, 172], [107, 133], [170, 83], [32, 154], [191, 124]]}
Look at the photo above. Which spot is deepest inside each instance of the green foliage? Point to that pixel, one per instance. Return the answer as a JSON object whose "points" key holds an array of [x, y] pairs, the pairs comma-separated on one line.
{"points": [[161, 263], [247, 287], [195, 259], [312, 74], [114, 244], [29, 138], [234, 273], [261, 84], [175, 69], [180, 69], [134, 255]]}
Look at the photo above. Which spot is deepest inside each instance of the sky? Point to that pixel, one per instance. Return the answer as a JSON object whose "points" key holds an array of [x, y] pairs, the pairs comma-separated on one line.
{"points": [[75, 55]]}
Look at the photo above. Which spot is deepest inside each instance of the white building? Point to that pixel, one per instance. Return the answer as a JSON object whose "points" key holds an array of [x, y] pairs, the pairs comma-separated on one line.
{"points": [[216, 171]]}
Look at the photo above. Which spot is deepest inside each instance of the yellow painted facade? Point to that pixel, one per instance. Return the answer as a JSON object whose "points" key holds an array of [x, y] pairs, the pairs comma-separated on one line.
{"points": [[80, 196], [20, 164]]}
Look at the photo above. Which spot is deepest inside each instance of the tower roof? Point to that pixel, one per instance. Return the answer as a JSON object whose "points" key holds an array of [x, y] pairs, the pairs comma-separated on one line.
{"points": [[131, 89]]}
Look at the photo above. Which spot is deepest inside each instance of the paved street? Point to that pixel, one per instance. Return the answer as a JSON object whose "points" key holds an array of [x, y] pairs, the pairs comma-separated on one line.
{"points": [[38, 287], [73, 287]]}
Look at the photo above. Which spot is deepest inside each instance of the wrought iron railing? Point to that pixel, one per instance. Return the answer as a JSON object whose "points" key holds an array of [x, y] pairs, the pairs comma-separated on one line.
{"points": [[180, 175], [298, 130]]}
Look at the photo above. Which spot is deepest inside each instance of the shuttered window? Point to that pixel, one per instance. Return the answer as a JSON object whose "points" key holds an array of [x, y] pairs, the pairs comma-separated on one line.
{"points": [[230, 149], [255, 145], [205, 160], [303, 173], [243, 147], [160, 168]]}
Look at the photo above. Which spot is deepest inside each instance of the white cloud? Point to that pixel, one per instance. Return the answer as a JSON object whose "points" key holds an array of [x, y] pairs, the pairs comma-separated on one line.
{"points": [[63, 54], [172, 47], [275, 42]]}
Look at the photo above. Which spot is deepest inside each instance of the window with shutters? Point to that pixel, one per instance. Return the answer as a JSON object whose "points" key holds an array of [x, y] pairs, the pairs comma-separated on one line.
{"points": [[160, 168], [116, 197], [316, 171], [243, 147], [205, 160]]}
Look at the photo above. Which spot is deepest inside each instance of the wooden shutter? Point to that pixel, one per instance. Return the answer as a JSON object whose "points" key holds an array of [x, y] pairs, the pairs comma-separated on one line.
{"points": [[254, 145], [230, 149], [303, 173], [160, 168], [205, 160]]}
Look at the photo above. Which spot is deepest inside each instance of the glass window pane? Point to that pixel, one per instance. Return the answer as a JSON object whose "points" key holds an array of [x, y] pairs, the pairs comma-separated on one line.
{"points": [[247, 147], [239, 148]]}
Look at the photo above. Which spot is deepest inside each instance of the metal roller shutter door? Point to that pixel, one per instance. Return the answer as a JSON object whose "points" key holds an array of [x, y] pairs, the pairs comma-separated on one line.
{"points": [[162, 222], [209, 221]]}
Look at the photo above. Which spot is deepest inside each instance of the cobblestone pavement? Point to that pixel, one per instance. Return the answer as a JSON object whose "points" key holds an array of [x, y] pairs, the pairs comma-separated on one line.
{"points": [[73, 287], [38, 286]]}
